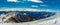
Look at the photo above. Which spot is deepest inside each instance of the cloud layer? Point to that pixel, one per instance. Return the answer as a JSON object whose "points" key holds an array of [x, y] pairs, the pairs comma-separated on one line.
{"points": [[12, 0], [37, 1]]}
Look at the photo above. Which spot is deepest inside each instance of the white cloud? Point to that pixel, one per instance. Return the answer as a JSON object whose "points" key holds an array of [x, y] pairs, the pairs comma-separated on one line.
{"points": [[12, 0], [34, 6], [44, 5], [37, 1]]}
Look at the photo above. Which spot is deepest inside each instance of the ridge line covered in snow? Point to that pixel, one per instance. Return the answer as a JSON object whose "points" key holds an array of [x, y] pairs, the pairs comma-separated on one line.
{"points": [[24, 9]]}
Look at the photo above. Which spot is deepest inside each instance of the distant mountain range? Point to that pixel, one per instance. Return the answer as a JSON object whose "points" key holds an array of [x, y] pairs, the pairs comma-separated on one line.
{"points": [[26, 9]]}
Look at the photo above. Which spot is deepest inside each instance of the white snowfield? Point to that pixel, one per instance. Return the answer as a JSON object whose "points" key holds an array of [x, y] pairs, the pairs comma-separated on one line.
{"points": [[53, 20], [24, 9]]}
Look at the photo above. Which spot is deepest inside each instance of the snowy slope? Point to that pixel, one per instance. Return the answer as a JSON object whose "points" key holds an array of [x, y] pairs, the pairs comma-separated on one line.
{"points": [[54, 21]]}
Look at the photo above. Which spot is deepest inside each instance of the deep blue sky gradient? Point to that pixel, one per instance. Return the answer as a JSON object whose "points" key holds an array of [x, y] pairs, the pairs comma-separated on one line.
{"points": [[52, 4]]}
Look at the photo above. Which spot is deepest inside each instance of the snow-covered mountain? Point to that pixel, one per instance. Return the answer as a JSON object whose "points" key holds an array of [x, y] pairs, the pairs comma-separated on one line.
{"points": [[25, 9]]}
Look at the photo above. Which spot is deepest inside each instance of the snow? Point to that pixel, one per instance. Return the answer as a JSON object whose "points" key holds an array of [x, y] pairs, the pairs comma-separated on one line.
{"points": [[48, 21], [25, 9]]}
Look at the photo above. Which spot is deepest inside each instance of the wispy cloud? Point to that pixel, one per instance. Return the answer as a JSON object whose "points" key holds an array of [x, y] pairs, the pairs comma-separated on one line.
{"points": [[43, 5], [12, 1], [34, 6], [37, 1]]}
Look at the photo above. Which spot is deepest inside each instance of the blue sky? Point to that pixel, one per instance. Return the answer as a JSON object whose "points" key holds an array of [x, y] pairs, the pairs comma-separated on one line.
{"points": [[38, 4]]}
